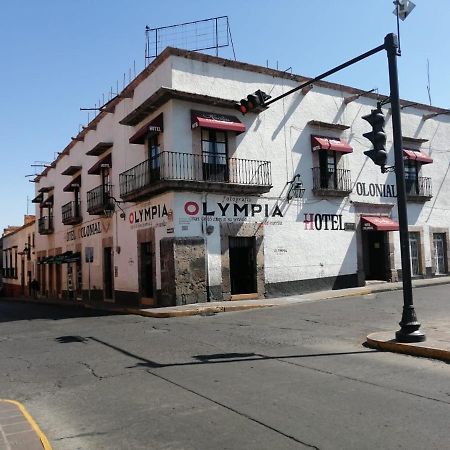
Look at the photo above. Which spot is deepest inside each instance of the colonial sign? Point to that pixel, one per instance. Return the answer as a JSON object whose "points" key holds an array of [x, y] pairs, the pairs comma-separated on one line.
{"points": [[375, 190], [85, 231]]}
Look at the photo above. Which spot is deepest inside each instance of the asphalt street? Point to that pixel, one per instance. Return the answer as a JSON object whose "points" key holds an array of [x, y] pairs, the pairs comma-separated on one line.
{"points": [[289, 377]]}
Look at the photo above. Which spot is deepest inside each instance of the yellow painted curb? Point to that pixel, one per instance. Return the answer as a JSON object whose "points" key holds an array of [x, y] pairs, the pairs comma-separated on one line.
{"points": [[408, 349], [45, 443]]}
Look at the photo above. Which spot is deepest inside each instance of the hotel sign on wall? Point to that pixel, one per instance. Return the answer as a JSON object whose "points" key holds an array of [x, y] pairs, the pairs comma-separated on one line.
{"points": [[87, 230], [233, 209], [148, 214]]}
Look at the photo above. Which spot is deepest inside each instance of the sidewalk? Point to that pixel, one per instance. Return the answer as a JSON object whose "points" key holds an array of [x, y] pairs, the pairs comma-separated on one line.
{"points": [[18, 430]]}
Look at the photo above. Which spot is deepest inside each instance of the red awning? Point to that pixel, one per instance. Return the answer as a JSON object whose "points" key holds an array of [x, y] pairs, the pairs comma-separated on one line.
{"points": [[417, 156], [333, 144], [153, 126], [216, 121], [379, 223], [97, 167]]}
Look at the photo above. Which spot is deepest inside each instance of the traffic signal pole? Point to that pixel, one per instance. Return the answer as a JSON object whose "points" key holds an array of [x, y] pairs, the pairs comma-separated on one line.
{"points": [[409, 331], [328, 73]]}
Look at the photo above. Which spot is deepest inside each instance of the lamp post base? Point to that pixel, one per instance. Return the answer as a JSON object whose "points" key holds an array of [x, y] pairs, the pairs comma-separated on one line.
{"points": [[407, 335], [409, 331]]}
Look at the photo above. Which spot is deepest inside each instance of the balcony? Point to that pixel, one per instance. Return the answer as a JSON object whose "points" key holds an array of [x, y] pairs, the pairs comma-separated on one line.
{"points": [[45, 225], [418, 189], [71, 213], [185, 171], [99, 200], [331, 182]]}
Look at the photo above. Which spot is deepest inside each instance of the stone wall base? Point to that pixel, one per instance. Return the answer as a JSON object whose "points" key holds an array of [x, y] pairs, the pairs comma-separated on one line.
{"points": [[299, 287]]}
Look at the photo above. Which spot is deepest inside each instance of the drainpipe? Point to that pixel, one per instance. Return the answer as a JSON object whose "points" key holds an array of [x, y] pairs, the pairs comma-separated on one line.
{"points": [[205, 237]]}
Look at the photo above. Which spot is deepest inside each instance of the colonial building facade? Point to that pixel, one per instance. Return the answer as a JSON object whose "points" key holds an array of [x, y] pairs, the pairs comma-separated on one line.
{"points": [[18, 262], [171, 196]]}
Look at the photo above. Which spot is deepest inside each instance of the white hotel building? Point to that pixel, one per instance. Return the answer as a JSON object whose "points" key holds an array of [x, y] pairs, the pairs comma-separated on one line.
{"points": [[171, 196]]}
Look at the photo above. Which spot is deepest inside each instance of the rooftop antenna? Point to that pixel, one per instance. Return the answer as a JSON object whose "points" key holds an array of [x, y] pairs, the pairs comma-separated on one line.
{"points": [[428, 78], [207, 34]]}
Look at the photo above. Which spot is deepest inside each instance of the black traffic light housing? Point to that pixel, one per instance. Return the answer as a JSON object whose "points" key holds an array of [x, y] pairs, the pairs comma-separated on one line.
{"points": [[253, 103], [377, 137]]}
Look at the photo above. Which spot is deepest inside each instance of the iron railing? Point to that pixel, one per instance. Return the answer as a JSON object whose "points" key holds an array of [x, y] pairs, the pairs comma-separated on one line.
{"points": [[418, 187], [71, 212], [45, 225], [331, 179], [99, 199], [199, 168]]}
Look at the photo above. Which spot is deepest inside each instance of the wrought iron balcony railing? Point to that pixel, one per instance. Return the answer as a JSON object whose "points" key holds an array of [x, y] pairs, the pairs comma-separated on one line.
{"points": [[329, 181], [206, 168], [45, 225], [418, 188], [99, 199], [71, 213]]}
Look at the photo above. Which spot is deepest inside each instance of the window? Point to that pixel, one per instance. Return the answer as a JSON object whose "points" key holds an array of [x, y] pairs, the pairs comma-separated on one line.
{"points": [[214, 155], [439, 251], [414, 248], [154, 157], [412, 170], [327, 167], [417, 186], [327, 173]]}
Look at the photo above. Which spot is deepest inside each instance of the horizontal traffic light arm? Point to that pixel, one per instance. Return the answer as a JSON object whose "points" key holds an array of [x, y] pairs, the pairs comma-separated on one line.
{"points": [[329, 72]]}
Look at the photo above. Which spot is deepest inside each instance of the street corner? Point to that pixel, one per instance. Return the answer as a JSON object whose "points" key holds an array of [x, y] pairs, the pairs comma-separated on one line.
{"points": [[434, 347], [18, 428]]}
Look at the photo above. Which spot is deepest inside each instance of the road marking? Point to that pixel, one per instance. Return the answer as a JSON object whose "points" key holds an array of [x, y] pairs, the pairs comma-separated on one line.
{"points": [[30, 420]]}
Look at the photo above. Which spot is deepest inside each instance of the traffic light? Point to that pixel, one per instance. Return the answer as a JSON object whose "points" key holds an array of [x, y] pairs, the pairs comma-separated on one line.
{"points": [[377, 136], [253, 102]]}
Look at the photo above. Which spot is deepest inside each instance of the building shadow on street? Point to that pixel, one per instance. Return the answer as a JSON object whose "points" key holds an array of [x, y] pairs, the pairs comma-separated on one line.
{"points": [[216, 358], [16, 310]]}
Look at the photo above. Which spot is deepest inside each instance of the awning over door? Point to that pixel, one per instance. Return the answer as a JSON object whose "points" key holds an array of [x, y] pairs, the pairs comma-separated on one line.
{"points": [[333, 144], [216, 121], [153, 126], [379, 223], [417, 156]]}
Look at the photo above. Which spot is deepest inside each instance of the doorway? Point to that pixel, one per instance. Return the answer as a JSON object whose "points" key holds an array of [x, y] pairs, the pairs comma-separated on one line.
{"points": [[108, 280], [146, 285], [242, 252], [375, 255]]}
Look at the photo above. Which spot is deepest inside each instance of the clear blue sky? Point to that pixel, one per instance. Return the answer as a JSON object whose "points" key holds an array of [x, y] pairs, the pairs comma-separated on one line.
{"points": [[60, 55]]}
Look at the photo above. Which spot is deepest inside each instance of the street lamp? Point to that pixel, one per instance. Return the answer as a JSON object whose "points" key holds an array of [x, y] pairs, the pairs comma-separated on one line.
{"points": [[410, 327]]}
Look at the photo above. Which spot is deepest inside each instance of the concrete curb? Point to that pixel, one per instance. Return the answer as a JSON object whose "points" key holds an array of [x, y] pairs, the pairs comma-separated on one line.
{"points": [[384, 341], [20, 439], [206, 310]]}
